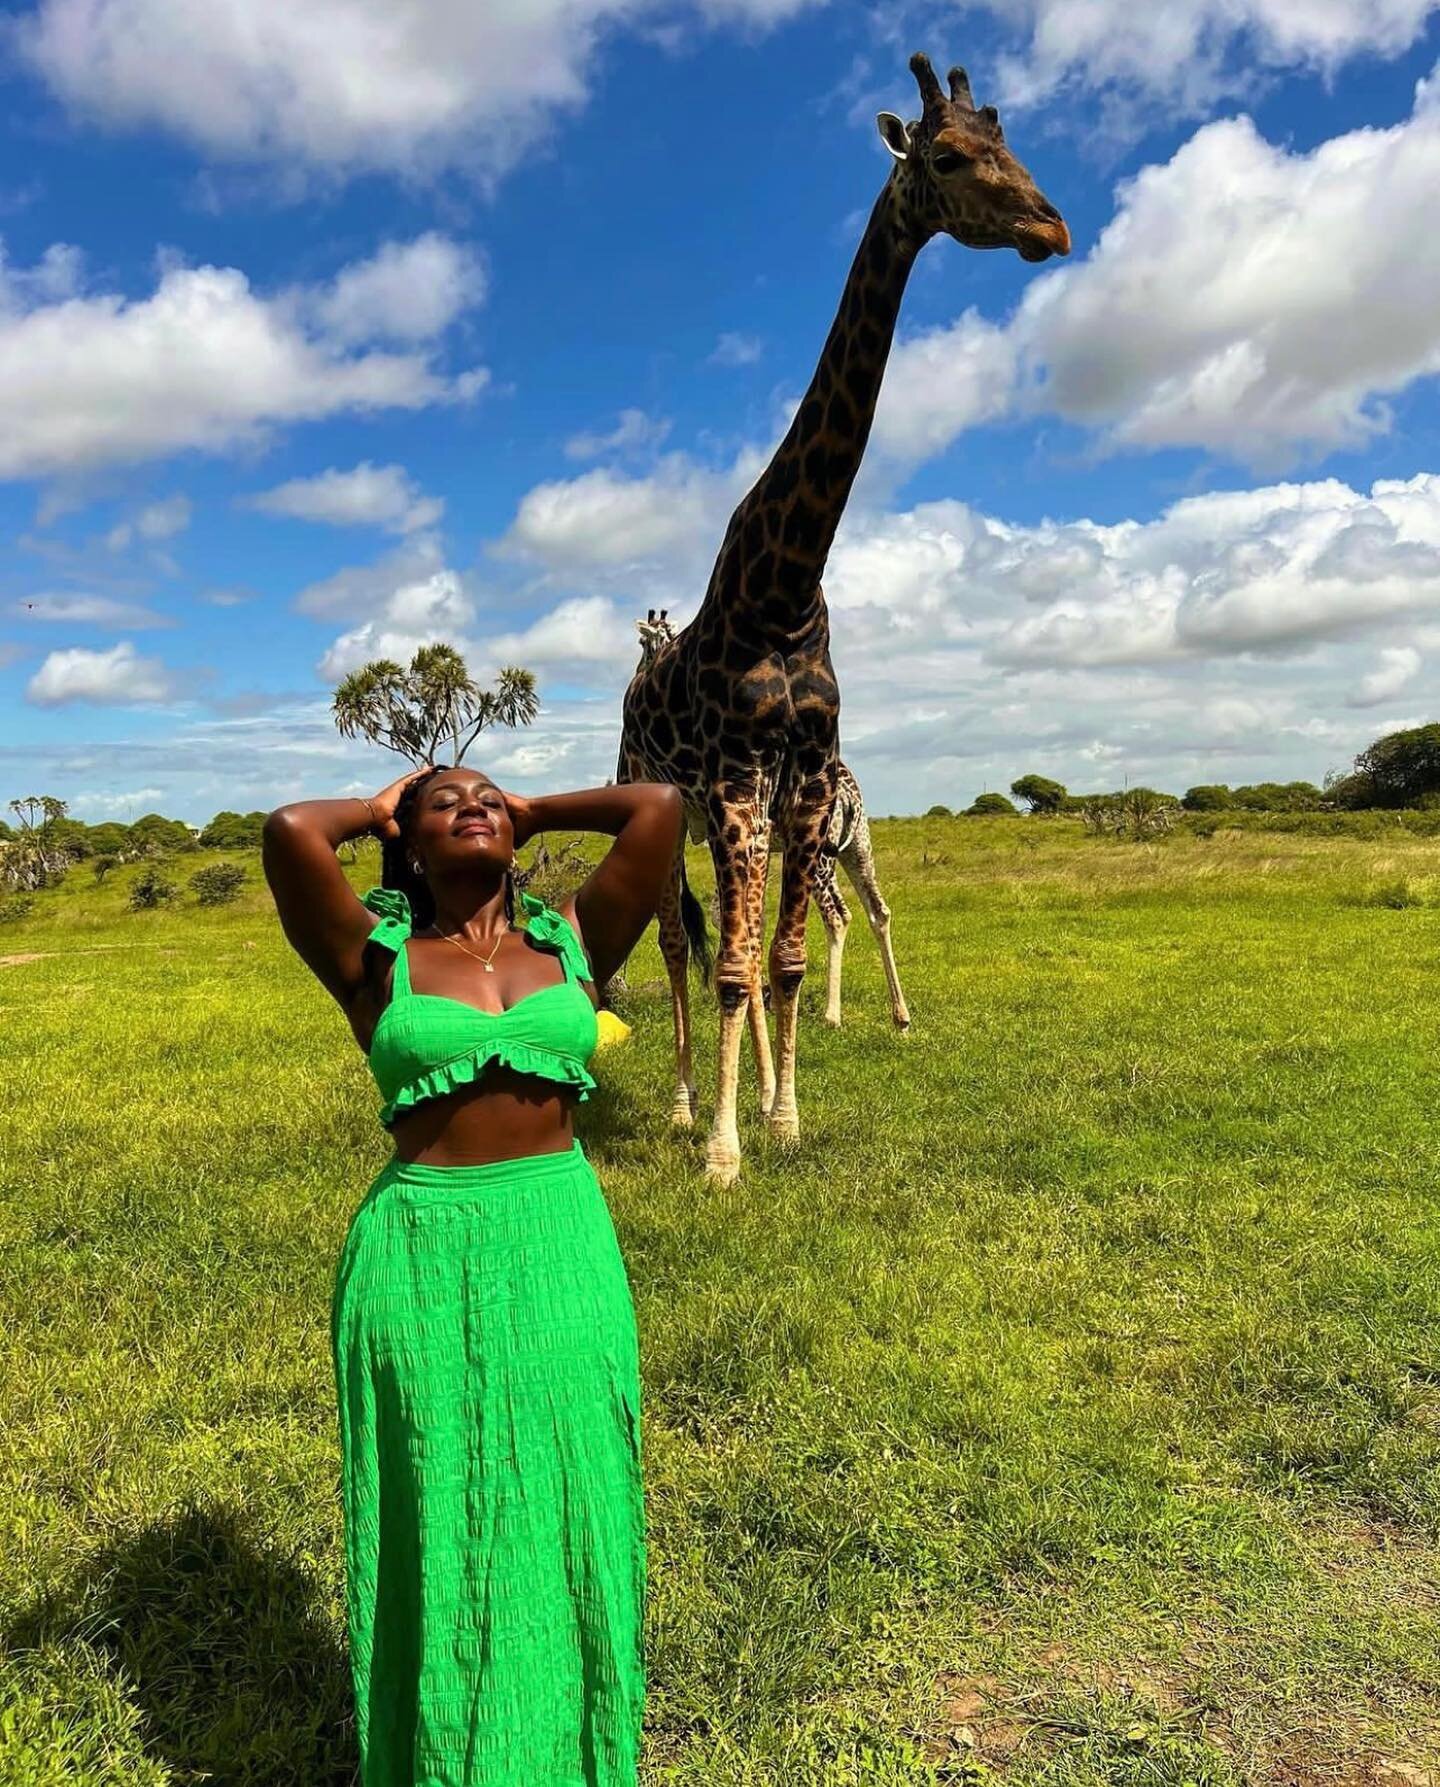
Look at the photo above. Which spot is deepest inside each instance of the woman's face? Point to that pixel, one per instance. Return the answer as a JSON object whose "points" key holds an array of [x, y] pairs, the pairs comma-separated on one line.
{"points": [[461, 819]]}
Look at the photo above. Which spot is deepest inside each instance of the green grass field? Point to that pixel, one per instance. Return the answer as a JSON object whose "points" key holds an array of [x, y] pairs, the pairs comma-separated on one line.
{"points": [[1064, 1410]]}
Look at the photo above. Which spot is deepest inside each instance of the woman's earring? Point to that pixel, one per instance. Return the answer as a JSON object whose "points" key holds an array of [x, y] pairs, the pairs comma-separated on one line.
{"points": [[416, 870]]}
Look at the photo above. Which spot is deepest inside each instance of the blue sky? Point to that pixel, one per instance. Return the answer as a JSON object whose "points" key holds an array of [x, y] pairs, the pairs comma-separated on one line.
{"points": [[365, 324]]}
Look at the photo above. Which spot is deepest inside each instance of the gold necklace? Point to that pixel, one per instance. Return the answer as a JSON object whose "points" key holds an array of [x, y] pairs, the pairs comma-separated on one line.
{"points": [[484, 961]]}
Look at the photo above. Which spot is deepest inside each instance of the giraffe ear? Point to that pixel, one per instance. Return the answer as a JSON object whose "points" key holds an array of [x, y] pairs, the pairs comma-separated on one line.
{"points": [[895, 134]]}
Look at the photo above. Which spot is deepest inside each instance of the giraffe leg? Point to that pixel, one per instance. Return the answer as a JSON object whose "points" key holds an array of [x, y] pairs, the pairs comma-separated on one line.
{"points": [[787, 971], [859, 861], [759, 1029], [836, 917], [676, 951], [732, 846]]}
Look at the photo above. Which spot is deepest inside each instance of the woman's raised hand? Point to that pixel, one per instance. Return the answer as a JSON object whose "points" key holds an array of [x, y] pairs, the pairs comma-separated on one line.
{"points": [[521, 817], [384, 803]]}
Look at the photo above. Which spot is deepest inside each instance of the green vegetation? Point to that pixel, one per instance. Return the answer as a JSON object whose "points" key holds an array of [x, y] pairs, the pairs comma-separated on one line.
{"points": [[1039, 793], [436, 701], [218, 884], [990, 806], [1072, 1419]]}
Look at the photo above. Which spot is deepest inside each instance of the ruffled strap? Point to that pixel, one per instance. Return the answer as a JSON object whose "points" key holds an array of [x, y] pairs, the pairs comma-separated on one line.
{"points": [[547, 926], [393, 910]]}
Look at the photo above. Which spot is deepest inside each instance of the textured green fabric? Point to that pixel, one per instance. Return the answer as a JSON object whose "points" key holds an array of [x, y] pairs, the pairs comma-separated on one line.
{"points": [[425, 1045], [489, 1396]]}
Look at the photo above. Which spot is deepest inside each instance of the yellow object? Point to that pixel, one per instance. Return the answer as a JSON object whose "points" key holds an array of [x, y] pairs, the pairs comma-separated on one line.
{"points": [[612, 1029]]}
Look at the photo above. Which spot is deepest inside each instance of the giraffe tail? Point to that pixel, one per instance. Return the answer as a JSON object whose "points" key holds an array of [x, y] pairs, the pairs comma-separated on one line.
{"points": [[697, 932]]}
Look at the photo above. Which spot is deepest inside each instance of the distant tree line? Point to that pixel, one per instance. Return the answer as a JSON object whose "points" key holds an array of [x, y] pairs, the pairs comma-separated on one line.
{"points": [[41, 842], [1400, 770]]}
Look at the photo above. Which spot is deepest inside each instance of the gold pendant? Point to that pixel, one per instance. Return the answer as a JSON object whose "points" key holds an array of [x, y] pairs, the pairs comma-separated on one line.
{"points": [[486, 966]]}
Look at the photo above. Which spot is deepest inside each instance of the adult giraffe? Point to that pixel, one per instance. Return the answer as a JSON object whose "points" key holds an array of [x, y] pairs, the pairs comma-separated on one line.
{"points": [[741, 712]]}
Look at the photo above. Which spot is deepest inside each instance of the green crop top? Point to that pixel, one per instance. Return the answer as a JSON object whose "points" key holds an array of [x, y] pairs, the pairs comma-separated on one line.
{"points": [[425, 1045]]}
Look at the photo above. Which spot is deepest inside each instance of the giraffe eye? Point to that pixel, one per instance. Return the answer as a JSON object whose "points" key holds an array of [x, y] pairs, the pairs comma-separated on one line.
{"points": [[947, 161]]}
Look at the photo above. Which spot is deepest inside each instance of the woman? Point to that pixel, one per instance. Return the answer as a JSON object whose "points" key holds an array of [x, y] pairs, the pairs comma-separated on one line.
{"points": [[483, 1334]]}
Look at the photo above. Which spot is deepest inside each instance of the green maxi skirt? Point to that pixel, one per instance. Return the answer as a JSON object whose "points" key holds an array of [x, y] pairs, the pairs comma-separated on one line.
{"points": [[489, 1401]]}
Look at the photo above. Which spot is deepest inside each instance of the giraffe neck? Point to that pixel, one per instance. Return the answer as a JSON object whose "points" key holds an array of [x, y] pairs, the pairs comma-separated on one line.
{"points": [[808, 481]]}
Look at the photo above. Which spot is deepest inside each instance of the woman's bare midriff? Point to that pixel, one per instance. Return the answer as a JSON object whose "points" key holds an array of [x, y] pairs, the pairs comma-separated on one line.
{"points": [[505, 1116]]}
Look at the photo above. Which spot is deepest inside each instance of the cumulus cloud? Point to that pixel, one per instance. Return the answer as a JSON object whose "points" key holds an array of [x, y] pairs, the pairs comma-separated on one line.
{"points": [[156, 521], [1218, 309], [383, 496], [603, 520], [635, 432], [1398, 667], [406, 292], [422, 612], [1189, 51], [343, 85], [118, 677], [89, 611], [204, 362], [733, 349]]}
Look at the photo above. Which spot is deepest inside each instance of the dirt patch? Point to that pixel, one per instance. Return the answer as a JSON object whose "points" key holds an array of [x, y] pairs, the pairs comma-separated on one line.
{"points": [[37, 955]]}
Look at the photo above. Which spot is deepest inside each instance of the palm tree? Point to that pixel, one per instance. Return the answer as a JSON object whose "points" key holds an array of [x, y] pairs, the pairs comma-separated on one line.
{"points": [[412, 711]]}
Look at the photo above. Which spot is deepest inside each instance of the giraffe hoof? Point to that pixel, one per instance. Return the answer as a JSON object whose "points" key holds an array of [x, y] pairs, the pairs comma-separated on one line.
{"points": [[722, 1169], [784, 1126], [832, 1023]]}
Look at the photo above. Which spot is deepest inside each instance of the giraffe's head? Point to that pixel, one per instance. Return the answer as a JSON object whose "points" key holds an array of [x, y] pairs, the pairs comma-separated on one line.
{"points": [[956, 173], [655, 634]]}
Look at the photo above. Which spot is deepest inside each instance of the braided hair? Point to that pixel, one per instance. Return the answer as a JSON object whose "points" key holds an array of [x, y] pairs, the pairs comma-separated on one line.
{"points": [[395, 869]]}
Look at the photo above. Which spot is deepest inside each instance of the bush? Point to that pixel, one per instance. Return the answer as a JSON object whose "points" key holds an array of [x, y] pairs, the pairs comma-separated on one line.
{"points": [[219, 884], [151, 889], [986, 805], [102, 866], [233, 831], [1208, 797], [11, 911], [553, 875], [1137, 814], [938, 813]]}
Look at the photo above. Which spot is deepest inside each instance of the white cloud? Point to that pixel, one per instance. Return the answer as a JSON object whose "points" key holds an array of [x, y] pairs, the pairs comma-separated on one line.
{"points": [[360, 592], [940, 383], [157, 521], [1398, 667], [407, 292], [118, 677], [343, 85], [204, 362], [635, 432], [383, 496], [1244, 299], [605, 521], [89, 611], [733, 349], [431, 609], [1188, 51]]}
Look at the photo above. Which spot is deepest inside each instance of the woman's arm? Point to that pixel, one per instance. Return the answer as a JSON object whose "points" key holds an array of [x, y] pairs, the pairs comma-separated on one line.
{"points": [[319, 911], [613, 907]]}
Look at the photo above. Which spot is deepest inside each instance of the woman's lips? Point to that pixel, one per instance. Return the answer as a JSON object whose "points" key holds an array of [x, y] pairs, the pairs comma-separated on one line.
{"points": [[474, 830]]}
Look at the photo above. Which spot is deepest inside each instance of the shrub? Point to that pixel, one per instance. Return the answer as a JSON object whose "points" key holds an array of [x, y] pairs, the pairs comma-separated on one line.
{"points": [[938, 812], [1208, 797], [11, 911], [553, 875], [151, 889], [233, 831], [102, 866], [219, 884], [985, 805], [1137, 814]]}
